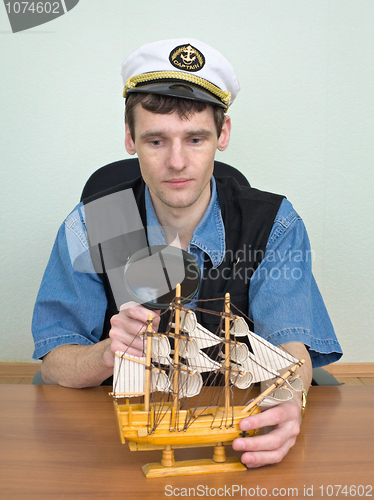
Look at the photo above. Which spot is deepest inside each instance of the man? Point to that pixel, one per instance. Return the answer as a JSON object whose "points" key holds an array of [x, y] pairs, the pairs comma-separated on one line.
{"points": [[177, 93]]}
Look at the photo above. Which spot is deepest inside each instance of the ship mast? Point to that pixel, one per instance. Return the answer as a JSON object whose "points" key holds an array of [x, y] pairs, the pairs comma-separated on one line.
{"points": [[176, 353], [147, 390], [227, 354]]}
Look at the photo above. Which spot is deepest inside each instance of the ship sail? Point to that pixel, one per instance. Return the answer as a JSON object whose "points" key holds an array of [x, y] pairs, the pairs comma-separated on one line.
{"points": [[203, 337], [203, 363], [246, 368], [129, 375], [189, 383], [266, 354]]}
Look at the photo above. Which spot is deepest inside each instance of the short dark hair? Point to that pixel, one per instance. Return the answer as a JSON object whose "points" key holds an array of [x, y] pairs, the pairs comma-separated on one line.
{"points": [[165, 104]]}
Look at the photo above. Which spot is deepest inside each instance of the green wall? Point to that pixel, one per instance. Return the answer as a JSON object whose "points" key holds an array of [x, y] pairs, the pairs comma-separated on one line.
{"points": [[303, 126]]}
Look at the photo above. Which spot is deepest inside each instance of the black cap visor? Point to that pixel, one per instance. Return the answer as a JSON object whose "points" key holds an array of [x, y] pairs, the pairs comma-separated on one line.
{"points": [[179, 89]]}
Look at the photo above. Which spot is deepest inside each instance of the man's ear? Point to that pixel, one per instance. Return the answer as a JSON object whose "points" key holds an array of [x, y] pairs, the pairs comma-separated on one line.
{"points": [[129, 143], [224, 138]]}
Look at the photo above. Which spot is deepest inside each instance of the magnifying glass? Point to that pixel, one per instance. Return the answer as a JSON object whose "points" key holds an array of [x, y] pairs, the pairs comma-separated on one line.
{"points": [[152, 274]]}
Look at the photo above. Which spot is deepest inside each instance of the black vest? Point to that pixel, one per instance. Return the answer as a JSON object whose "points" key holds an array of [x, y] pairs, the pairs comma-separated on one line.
{"points": [[248, 215]]}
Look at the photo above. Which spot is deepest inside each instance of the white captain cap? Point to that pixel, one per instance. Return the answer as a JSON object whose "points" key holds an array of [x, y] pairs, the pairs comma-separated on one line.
{"points": [[184, 68]]}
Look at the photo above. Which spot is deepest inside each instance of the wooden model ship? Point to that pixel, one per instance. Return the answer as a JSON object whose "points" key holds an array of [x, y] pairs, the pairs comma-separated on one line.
{"points": [[172, 371]]}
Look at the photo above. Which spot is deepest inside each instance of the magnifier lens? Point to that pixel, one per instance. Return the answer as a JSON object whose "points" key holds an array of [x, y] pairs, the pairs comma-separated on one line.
{"points": [[151, 276]]}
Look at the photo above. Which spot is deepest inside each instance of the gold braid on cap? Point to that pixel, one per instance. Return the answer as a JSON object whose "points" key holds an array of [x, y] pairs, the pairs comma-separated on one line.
{"points": [[223, 95]]}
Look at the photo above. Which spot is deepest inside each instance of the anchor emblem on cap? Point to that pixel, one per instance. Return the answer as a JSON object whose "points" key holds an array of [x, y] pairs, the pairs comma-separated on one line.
{"points": [[190, 52], [187, 58]]}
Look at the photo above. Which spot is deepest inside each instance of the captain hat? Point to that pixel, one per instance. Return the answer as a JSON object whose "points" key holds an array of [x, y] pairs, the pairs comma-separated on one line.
{"points": [[183, 67]]}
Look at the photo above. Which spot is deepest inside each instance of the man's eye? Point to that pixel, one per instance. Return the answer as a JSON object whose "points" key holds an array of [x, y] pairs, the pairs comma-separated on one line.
{"points": [[155, 142], [196, 140]]}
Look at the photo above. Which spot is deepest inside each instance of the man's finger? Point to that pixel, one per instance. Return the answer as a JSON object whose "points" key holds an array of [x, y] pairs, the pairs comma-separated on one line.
{"points": [[259, 458], [268, 442], [272, 416]]}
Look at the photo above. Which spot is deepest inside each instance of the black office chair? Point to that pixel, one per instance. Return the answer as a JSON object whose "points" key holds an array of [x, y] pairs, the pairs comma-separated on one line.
{"points": [[323, 377], [125, 170]]}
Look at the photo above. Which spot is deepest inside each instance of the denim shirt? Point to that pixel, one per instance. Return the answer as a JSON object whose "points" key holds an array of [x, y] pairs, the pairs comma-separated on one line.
{"points": [[284, 299]]}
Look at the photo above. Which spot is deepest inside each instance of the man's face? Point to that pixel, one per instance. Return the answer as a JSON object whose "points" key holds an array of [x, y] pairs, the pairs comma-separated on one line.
{"points": [[176, 155]]}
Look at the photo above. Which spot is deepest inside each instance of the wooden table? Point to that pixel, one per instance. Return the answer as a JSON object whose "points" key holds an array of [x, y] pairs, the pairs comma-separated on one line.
{"points": [[58, 443]]}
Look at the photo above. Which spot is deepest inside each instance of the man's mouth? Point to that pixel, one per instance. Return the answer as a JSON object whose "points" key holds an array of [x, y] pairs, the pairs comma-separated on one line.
{"points": [[178, 182]]}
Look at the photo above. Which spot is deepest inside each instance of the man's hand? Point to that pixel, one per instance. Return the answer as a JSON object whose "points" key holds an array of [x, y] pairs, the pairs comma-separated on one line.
{"points": [[273, 444], [79, 366], [126, 327], [270, 448]]}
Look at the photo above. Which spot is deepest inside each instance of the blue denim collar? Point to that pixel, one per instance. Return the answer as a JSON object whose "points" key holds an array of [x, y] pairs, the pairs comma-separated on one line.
{"points": [[209, 235]]}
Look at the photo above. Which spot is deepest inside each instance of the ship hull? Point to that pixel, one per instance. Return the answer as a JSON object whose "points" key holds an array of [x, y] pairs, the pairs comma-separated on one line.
{"points": [[206, 426]]}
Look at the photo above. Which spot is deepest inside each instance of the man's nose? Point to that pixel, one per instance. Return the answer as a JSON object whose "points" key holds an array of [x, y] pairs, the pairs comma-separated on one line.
{"points": [[177, 158]]}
